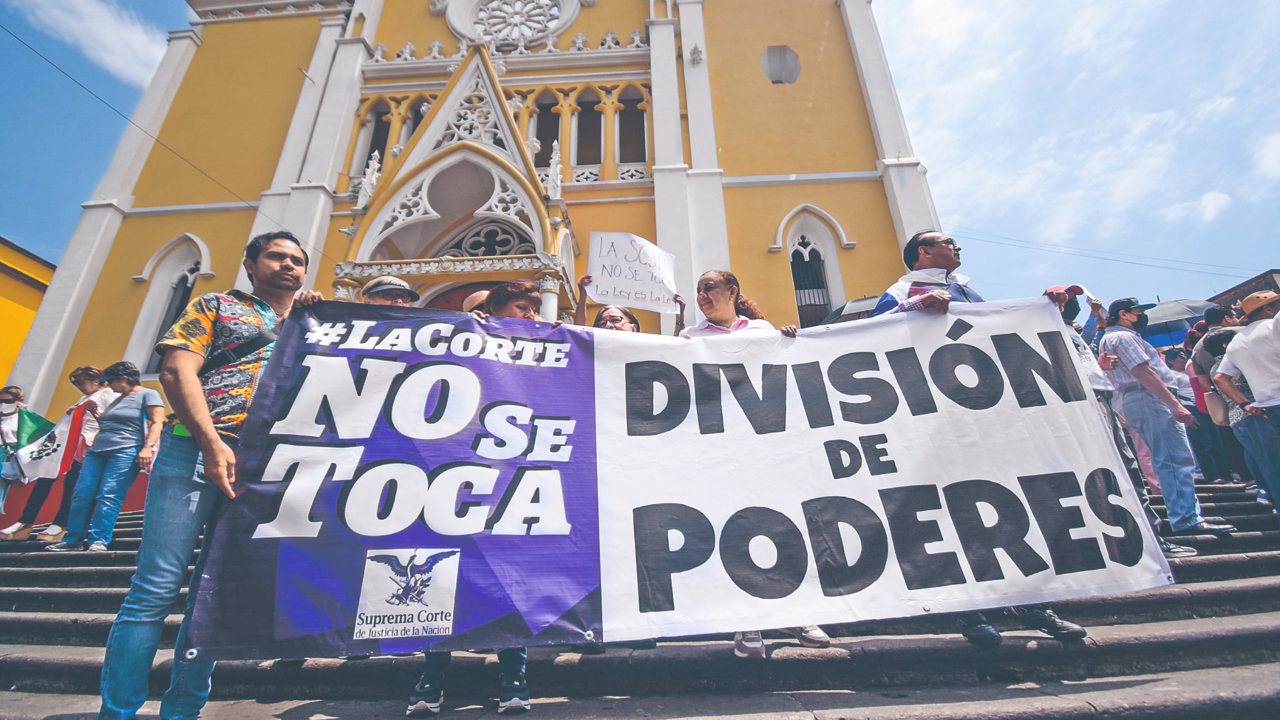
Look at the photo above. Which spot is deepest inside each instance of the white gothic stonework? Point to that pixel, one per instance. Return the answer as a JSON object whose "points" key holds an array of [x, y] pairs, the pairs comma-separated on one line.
{"points": [[520, 23]]}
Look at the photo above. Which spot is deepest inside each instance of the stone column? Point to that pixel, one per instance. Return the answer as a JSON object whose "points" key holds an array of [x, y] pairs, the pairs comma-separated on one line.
{"points": [[670, 173], [549, 286], [903, 175], [706, 187]]}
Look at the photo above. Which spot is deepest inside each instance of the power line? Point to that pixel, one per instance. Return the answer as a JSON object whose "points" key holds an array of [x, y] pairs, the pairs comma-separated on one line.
{"points": [[158, 141], [1102, 253], [1105, 258]]}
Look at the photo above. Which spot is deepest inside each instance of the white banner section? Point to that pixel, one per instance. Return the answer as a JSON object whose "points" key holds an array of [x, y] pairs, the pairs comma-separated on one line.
{"points": [[628, 270], [911, 464]]}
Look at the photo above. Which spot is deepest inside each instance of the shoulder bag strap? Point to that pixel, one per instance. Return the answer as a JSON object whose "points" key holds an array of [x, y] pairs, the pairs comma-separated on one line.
{"points": [[230, 355]]}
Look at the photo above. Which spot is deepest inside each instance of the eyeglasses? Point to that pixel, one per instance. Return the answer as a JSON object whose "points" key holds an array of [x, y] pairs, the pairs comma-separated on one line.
{"points": [[946, 241]]}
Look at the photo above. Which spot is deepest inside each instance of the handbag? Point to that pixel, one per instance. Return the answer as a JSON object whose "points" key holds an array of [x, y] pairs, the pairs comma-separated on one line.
{"points": [[1217, 408]]}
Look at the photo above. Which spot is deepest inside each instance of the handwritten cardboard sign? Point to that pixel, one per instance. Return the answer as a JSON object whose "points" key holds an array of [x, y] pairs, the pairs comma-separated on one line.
{"points": [[628, 270]]}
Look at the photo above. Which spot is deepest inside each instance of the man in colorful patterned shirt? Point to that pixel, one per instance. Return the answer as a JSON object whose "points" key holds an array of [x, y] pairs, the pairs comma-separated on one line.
{"points": [[1151, 409], [213, 357]]}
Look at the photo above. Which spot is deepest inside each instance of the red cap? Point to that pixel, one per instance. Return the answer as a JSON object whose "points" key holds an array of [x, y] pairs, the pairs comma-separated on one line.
{"points": [[1075, 290]]}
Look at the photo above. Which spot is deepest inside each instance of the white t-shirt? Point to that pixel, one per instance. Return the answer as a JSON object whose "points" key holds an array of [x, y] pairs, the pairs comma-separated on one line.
{"points": [[742, 325], [1255, 354]]}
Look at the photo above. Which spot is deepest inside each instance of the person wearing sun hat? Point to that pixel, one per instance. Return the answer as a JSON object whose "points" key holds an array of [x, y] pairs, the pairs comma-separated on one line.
{"points": [[388, 290], [1151, 410], [1254, 355]]}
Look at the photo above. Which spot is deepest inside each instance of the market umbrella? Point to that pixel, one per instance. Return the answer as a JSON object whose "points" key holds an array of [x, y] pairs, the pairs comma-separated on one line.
{"points": [[1171, 319]]}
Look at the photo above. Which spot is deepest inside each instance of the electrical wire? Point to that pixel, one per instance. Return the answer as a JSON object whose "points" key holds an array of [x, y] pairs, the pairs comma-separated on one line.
{"points": [[974, 234], [158, 141], [1096, 256]]}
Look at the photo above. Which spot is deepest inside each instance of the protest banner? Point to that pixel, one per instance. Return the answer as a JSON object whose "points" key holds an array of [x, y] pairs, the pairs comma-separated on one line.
{"points": [[626, 269], [416, 479]]}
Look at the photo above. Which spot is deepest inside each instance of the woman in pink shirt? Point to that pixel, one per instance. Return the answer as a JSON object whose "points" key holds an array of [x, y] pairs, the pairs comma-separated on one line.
{"points": [[726, 310]]}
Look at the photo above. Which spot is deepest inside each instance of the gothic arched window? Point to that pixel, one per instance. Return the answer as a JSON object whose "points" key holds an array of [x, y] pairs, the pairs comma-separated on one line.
{"points": [[809, 276], [546, 127], [179, 296]]}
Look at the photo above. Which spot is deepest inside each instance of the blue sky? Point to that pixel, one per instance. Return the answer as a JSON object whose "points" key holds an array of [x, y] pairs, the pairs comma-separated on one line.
{"points": [[1133, 147]]}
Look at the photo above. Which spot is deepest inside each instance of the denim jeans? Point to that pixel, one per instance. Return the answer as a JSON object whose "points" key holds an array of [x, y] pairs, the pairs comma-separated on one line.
{"points": [[180, 503], [1170, 454], [105, 478], [1121, 441], [1260, 436], [511, 662]]}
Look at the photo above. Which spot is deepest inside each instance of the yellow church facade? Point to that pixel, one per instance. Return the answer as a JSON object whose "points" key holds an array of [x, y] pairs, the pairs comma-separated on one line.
{"points": [[24, 277], [456, 143]]}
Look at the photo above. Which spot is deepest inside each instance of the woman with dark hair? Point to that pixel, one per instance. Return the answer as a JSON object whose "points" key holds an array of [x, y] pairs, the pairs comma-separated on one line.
{"points": [[94, 398], [128, 437], [609, 317], [727, 310], [516, 299]]}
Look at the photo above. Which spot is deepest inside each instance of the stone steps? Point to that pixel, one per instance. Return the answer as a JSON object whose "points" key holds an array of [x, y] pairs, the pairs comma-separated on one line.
{"points": [[1224, 616], [1245, 692], [866, 662]]}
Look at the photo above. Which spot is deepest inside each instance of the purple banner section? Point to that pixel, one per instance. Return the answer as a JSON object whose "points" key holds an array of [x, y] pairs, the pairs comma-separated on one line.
{"points": [[409, 479]]}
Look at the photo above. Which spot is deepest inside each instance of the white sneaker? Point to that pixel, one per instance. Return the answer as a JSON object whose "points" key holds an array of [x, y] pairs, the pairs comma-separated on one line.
{"points": [[97, 547], [53, 530], [748, 644], [810, 636]]}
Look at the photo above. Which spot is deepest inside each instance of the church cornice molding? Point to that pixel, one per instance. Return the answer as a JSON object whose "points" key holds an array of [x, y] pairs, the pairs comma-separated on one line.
{"points": [[561, 60], [220, 11]]}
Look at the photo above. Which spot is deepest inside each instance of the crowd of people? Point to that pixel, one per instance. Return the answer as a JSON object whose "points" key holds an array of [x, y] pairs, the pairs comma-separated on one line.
{"points": [[1209, 409]]}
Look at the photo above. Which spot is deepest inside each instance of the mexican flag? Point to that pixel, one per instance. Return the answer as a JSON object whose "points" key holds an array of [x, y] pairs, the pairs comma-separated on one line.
{"points": [[32, 433]]}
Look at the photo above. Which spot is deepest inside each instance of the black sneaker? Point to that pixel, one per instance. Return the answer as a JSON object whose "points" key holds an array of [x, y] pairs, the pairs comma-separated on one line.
{"points": [[1049, 623], [427, 697], [513, 694], [65, 547], [975, 628]]}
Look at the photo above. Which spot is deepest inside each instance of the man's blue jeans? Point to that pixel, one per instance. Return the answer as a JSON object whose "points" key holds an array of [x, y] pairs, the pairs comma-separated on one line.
{"points": [[1261, 437], [180, 503], [105, 478], [1170, 454]]}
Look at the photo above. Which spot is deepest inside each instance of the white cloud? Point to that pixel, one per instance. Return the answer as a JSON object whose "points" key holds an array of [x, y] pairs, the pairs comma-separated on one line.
{"points": [[1266, 160], [111, 36], [1208, 207], [1212, 204]]}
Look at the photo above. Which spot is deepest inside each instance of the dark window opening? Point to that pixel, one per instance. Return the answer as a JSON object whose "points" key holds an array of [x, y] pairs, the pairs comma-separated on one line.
{"points": [[547, 129], [631, 130], [179, 296], [809, 276], [590, 137]]}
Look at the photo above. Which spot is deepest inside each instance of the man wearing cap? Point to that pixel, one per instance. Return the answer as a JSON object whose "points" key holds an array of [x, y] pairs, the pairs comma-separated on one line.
{"points": [[1254, 355], [388, 290], [1104, 391], [1142, 383]]}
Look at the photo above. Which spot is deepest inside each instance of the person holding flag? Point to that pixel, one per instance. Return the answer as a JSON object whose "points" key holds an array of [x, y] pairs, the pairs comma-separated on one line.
{"points": [[61, 454], [19, 428]]}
